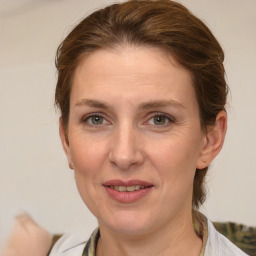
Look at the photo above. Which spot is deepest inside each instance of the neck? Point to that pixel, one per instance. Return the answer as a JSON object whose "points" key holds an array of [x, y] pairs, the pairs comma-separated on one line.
{"points": [[176, 238]]}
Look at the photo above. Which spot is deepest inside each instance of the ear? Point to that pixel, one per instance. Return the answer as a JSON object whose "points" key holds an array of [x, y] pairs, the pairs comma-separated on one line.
{"points": [[65, 143], [213, 141]]}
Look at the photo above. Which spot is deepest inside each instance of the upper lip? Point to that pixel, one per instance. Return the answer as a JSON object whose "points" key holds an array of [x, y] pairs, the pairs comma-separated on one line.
{"points": [[127, 183]]}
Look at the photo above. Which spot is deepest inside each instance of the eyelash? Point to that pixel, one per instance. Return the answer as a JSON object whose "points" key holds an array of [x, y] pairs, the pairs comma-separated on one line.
{"points": [[85, 119], [168, 119]]}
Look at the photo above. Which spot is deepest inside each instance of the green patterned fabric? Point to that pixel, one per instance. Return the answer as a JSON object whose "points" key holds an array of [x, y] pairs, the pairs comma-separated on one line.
{"points": [[242, 236]]}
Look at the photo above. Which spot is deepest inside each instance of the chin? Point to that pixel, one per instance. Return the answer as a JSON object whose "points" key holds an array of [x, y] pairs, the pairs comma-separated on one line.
{"points": [[130, 224]]}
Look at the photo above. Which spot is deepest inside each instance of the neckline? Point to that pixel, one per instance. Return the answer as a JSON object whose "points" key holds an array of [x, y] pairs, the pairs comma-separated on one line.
{"points": [[199, 224]]}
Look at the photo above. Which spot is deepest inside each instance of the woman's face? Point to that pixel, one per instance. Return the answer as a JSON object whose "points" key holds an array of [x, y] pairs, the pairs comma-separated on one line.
{"points": [[134, 138]]}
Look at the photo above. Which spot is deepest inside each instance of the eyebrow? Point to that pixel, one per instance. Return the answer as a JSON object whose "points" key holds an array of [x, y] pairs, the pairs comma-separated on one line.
{"points": [[142, 106], [161, 103], [92, 103]]}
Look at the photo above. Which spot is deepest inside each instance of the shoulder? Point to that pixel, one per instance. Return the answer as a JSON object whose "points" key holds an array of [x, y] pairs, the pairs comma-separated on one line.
{"points": [[219, 245], [69, 245]]}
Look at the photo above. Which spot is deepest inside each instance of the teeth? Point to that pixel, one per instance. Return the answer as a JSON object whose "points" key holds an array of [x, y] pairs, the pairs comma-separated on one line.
{"points": [[120, 188], [132, 188], [127, 188]]}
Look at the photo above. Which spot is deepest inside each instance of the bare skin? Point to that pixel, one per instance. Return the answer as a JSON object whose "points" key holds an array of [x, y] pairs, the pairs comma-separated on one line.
{"points": [[134, 120]]}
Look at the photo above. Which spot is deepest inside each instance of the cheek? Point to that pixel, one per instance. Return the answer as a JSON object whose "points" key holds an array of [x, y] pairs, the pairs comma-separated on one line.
{"points": [[175, 162], [88, 161], [175, 153], [87, 155]]}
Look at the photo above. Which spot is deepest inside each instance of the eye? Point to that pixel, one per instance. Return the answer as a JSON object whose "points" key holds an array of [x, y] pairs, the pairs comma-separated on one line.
{"points": [[95, 120], [159, 120]]}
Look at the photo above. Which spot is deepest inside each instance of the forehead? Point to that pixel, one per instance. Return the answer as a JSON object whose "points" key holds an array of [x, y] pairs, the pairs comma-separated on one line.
{"points": [[131, 72], [125, 59]]}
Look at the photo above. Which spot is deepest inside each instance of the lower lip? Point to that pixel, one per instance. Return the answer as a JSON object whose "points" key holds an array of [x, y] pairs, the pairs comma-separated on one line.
{"points": [[127, 197]]}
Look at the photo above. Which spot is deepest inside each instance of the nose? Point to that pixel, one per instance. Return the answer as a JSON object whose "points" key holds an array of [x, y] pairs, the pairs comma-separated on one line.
{"points": [[126, 148]]}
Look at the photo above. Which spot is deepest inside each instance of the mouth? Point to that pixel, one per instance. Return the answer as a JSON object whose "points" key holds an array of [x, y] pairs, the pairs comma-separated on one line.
{"points": [[129, 188], [127, 191]]}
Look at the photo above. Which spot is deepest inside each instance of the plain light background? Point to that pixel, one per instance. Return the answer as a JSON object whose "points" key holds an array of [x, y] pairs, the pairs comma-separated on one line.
{"points": [[34, 175]]}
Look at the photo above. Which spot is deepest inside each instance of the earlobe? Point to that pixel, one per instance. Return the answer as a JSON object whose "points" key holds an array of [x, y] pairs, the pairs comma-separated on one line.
{"points": [[213, 141], [65, 143]]}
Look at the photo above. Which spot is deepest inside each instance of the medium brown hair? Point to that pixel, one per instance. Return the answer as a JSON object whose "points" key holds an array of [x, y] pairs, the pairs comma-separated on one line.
{"points": [[161, 23]]}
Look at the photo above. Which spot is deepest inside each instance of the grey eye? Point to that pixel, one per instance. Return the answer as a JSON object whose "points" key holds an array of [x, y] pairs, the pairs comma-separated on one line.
{"points": [[159, 120], [96, 120]]}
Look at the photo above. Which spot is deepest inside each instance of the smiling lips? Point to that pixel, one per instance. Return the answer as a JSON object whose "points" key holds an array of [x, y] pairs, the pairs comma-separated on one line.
{"points": [[127, 188], [127, 192]]}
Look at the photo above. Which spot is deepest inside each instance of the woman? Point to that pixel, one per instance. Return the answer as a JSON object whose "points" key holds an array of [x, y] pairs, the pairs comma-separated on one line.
{"points": [[142, 94]]}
